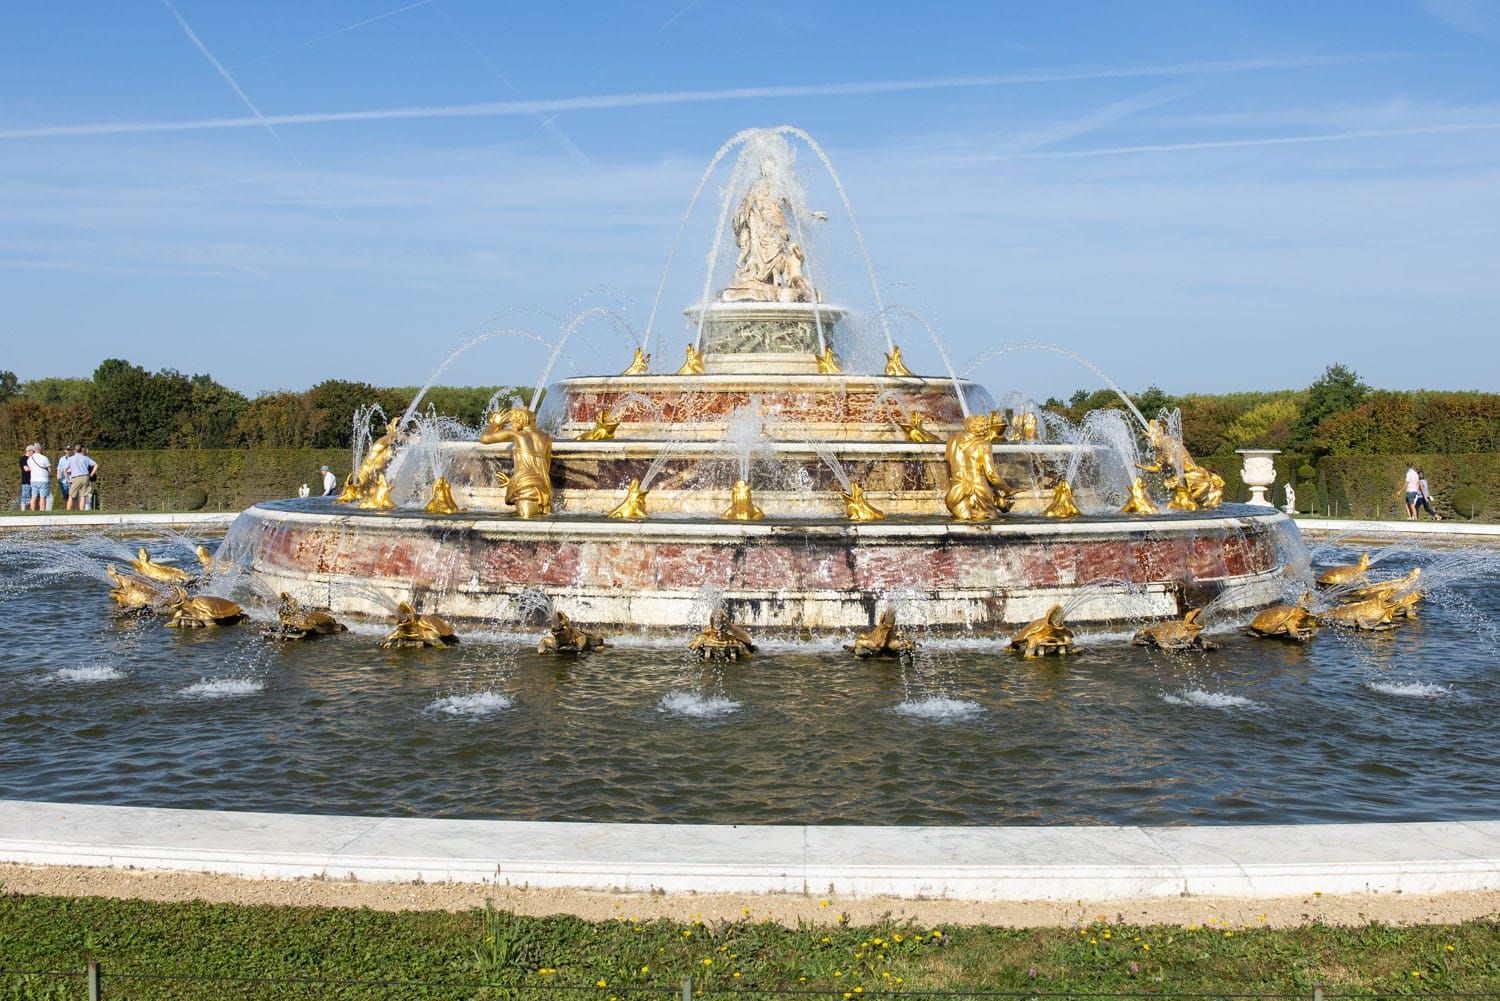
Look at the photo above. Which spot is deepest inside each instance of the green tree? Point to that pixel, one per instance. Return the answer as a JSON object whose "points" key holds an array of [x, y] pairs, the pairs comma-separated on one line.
{"points": [[1337, 390], [280, 420], [10, 386], [336, 400], [136, 409], [58, 392], [212, 416]]}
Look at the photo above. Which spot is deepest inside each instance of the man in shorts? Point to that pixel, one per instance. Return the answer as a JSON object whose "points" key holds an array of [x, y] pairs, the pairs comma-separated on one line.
{"points": [[80, 476], [26, 478], [1413, 491], [40, 469]]}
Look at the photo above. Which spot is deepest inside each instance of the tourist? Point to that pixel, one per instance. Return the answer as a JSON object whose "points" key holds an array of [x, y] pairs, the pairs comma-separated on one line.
{"points": [[26, 478], [65, 471], [80, 477], [330, 482], [1424, 496], [90, 495], [1413, 491], [40, 469]]}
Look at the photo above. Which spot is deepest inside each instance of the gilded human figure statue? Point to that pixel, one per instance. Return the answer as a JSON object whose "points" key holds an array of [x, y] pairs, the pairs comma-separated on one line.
{"points": [[972, 475], [1204, 486], [529, 486], [762, 236]]}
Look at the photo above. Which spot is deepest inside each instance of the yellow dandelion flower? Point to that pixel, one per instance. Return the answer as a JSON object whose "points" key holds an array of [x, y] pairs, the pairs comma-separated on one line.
{"points": [[645, 969], [707, 961], [601, 983], [1447, 948], [859, 990], [896, 938], [822, 903], [838, 973], [687, 933], [735, 974], [1416, 973], [1146, 946]]}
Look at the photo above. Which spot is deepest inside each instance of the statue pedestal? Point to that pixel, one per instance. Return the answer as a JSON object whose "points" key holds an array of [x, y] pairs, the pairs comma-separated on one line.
{"points": [[1259, 473]]}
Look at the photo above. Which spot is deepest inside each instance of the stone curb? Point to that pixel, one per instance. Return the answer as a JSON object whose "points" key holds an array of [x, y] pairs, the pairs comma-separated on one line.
{"points": [[1339, 526], [972, 863], [142, 520]]}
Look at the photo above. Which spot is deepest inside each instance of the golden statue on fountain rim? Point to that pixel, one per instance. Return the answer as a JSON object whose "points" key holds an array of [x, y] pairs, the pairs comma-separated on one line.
{"points": [[828, 362], [634, 504], [1063, 505], [741, 507], [605, 425], [893, 363], [529, 485], [857, 508], [363, 484], [1204, 486], [1140, 501], [693, 364], [1024, 427], [972, 475], [915, 428], [442, 501], [639, 364], [376, 496]]}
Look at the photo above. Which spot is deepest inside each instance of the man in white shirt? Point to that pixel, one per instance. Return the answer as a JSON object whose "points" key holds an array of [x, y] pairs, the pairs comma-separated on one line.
{"points": [[1413, 491], [330, 482], [40, 468]]}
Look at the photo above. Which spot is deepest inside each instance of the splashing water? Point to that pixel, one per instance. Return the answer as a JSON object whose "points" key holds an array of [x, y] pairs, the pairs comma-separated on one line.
{"points": [[1411, 689], [697, 706], [86, 675], [473, 705], [1198, 698], [219, 688], [473, 342], [1080, 359], [939, 709]]}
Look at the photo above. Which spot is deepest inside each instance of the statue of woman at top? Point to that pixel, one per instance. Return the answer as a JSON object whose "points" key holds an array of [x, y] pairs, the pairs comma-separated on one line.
{"points": [[762, 235]]}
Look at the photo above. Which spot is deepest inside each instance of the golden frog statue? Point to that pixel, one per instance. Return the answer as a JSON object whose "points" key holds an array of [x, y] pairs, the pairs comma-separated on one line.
{"points": [[893, 363], [639, 364], [378, 497], [131, 594], [164, 572], [1294, 622], [885, 640], [604, 428], [972, 475], [210, 563], [1140, 501], [1043, 636], [564, 637], [442, 501], [828, 363], [1024, 428], [414, 630], [1388, 589], [1343, 575], [529, 485], [741, 507], [1063, 505], [1182, 498], [201, 610], [693, 364], [721, 639], [297, 623], [1185, 633], [914, 427], [634, 504], [859, 509]]}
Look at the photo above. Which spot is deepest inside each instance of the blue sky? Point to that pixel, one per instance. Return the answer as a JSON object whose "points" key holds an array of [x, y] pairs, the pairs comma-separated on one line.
{"points": [[1205, 196]]}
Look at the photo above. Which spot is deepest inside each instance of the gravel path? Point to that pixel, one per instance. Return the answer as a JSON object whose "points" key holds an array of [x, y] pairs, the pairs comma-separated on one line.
{"points": [[1278, 912]]}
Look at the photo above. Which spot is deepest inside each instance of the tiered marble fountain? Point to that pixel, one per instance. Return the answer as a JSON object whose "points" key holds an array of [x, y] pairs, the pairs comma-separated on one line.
{"points": [[800, 496]]}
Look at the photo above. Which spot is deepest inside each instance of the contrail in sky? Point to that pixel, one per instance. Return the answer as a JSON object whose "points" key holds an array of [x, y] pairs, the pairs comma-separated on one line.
{"points": [[604, 102], [334, 34], [193, 37], [1327, 137]]}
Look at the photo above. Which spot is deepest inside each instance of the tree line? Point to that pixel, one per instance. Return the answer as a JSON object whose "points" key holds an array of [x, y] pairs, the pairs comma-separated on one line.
{"points": [[1339, 414], [124, 406]]}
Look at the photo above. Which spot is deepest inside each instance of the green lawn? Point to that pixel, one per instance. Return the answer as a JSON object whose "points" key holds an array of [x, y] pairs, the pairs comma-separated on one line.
{"points": [[570, 957]]}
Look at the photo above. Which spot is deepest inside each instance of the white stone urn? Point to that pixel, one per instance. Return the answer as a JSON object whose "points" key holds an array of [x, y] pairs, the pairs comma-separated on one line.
{"points": [[1258, 472]]}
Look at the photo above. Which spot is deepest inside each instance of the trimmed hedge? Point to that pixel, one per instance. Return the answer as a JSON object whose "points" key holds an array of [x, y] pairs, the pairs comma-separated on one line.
{"points": [[1373, 486], [229, 479]]}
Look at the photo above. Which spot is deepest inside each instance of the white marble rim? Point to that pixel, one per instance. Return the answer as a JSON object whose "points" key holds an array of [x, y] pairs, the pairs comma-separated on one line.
{"points": [[103, 520], [977, 863], [665, 529]]}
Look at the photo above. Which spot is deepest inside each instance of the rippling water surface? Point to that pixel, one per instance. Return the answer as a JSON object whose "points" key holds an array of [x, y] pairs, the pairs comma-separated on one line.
{"points": [[1398, 726]]}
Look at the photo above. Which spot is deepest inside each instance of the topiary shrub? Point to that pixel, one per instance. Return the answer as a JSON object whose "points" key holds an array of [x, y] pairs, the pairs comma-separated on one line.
{"points": [[1307, 496], [193, 499], [1305, 473], [1468, 501]]}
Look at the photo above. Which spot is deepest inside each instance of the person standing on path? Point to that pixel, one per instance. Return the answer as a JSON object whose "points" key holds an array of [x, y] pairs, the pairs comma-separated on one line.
{"points": [[91, 496], [1413, 491], [65, 471], [40, 468], [330, 482], [80, 476], [26, 478]]}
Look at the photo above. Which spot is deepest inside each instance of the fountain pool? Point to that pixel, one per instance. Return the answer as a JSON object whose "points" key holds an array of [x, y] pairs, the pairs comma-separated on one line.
{"points": [[1351, 727]]}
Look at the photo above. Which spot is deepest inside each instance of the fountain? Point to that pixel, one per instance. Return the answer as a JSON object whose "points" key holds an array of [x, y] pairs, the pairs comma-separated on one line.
{"points": [[801, 490]]}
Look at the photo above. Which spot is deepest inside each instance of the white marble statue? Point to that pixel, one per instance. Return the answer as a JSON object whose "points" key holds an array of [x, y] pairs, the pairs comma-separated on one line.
{"points": [[1291, 499]]}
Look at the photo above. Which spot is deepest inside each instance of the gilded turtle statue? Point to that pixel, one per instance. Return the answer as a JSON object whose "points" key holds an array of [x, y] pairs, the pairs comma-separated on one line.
{"points": [[416, 630], [1185, 633], [201, 610], [564, 637], [1293, 622], [1046, 635], [294, 622]]}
